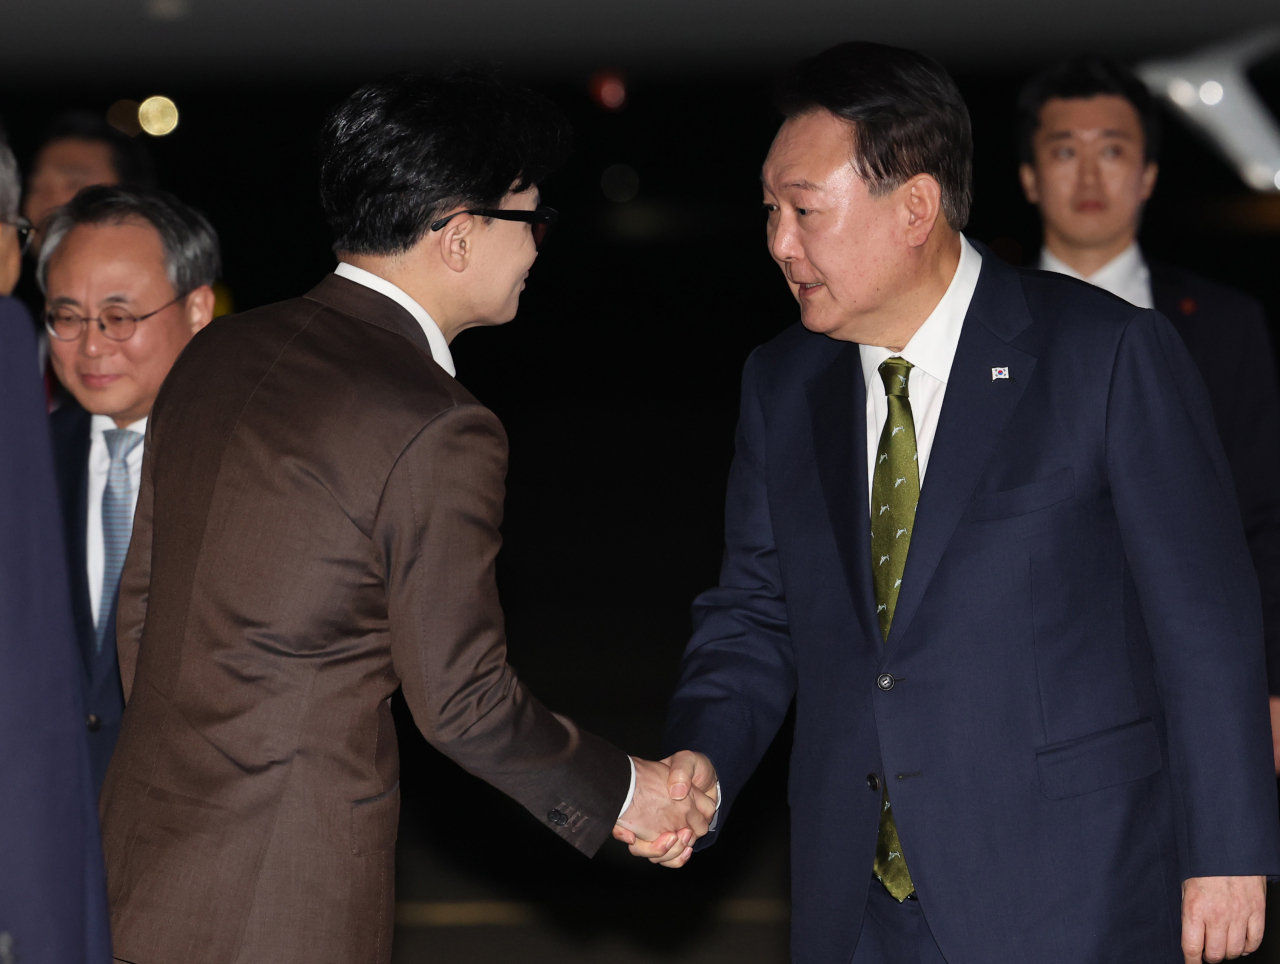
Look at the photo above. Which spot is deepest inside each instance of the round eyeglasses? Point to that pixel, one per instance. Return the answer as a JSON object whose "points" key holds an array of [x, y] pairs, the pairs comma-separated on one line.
{"points": [[116, 322]]}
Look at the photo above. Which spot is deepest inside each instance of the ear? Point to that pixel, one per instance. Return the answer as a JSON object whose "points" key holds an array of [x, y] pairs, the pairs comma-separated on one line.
{"points": [[1030, 183], [457, 241], [1149, 175], [199, 308], [922, 198]]}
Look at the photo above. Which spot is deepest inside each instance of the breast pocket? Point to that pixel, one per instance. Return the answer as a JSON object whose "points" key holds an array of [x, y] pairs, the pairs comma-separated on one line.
{"points": [[1099, 760], [1040, 494]]}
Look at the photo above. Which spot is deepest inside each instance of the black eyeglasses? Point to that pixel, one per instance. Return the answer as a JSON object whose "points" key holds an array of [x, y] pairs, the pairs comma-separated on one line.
{"points": [[26, 232], [116, 322], [540, 218]]}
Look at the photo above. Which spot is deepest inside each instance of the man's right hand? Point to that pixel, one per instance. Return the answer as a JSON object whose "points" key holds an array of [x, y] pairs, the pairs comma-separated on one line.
{"points": [[656, 825]]}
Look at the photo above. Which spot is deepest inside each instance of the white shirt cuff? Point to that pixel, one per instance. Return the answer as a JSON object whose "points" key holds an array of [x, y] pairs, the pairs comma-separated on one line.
{"points": [[716, 819], [631, 791]]}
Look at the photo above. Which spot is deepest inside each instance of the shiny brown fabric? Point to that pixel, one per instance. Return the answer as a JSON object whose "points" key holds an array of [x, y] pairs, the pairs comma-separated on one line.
{"points": [[317, 525]]}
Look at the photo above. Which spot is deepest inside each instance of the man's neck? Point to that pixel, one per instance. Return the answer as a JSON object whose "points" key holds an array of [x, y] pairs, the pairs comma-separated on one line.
{"points": [[898, 321], [407, 274], [1086, 259]]}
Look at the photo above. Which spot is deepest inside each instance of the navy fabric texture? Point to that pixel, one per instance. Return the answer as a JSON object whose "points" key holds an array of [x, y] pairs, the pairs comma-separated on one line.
{"points": [[1079, 715], [52, 888], [1227, 335], [104, 698]]}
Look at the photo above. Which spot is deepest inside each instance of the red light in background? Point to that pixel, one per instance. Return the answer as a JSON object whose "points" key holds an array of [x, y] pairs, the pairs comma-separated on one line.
{"points": [[608, 89]]}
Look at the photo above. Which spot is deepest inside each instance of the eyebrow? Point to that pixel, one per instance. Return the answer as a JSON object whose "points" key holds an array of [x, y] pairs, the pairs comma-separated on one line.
{"points": [[65, 301], [801, 184], [1107, 132]]}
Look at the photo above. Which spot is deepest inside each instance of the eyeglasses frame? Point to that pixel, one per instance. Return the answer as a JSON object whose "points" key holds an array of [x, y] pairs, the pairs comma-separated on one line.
{"points": [[102, 325], [539, 215]]}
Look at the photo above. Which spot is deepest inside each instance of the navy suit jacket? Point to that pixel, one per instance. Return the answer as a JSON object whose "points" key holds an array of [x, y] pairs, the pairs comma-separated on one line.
{"points": [[1226, 333], [52, 887], [104, 697], [1078, 719]]}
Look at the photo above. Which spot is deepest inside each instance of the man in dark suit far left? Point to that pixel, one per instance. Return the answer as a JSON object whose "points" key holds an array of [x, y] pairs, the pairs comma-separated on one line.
{"points": [[52, 895], [127, 276]]}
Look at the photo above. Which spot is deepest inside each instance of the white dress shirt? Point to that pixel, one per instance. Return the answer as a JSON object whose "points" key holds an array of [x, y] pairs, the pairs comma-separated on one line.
{"points": [[99, 466], [442, 356], [435, 338], [931, 350], [1125, 276]]}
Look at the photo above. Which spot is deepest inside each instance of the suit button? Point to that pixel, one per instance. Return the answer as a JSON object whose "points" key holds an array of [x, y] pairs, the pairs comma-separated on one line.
{"points": [[93, 723], [885, 681], [558, 818], [873, 781]]}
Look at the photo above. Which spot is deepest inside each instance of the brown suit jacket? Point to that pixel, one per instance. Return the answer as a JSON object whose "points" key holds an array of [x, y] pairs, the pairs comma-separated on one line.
{"points": [[316, 527]]}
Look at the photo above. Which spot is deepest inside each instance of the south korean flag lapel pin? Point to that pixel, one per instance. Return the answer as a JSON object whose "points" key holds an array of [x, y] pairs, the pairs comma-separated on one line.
{"points": [[1002, 372]]}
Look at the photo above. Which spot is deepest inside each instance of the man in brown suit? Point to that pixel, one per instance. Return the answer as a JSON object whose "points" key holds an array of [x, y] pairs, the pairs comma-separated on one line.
{"points": [[317, 526]]}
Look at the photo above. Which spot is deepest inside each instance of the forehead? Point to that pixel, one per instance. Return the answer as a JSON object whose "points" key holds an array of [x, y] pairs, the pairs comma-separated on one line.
{"points": [[808, 150], [74, 154], [129, 252], [1079, 115]]}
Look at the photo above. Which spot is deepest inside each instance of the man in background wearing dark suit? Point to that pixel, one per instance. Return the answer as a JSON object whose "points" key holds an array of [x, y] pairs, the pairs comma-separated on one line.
{"points": [[1089, 138], [52, 898], [127, 276], [979, 527]]}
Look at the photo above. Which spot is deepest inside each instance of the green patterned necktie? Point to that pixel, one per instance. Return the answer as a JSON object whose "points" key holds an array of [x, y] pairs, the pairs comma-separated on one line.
{"points": [[895, 491]]}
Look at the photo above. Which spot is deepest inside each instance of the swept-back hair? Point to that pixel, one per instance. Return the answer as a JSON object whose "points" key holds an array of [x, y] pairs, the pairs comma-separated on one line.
{"points": [[191, 254], [401, 150], [905, 112]]}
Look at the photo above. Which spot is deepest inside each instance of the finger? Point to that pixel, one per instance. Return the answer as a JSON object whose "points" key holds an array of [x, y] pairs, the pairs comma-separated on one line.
{"points": [[706, 804], [1215, 942], [1235, 938], [680, 780], [623, 834], [681, 860], [696, 821], [654, 848], [670, 855], [1192, 940], [1253, 938]]}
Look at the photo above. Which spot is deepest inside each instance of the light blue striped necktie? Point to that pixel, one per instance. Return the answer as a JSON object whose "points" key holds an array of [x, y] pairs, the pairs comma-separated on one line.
{"points": [[117, 519]]}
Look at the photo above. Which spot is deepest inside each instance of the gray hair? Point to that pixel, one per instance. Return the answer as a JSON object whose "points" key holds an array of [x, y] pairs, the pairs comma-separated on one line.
{"points": [[190, 242], [10, 184]]}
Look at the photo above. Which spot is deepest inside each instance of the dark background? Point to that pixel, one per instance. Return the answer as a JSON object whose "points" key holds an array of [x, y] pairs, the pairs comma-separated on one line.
{"points": [[617, 383]]}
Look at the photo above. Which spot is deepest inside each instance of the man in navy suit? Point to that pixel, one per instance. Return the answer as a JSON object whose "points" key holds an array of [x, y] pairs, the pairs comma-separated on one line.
{"points": [[127, 276], [1088, 143], [980, 528], [53, 905]]}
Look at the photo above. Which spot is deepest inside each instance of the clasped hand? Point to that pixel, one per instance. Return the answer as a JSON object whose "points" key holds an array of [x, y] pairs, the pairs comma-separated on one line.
{"points": [[674, 804]]}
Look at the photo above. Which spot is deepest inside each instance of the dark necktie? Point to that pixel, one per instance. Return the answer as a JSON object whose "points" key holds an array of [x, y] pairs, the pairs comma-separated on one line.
{"points": [[895, 491]]}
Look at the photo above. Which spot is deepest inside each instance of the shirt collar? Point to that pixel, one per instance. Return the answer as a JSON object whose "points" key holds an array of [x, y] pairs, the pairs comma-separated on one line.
{"points": [[435, 338], [1125, 276], [933, 347], [101, 423]]}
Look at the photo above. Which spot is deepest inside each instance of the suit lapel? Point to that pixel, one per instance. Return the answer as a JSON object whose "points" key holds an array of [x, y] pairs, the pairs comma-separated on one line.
{"points": [[837, 407], [974, 413]]}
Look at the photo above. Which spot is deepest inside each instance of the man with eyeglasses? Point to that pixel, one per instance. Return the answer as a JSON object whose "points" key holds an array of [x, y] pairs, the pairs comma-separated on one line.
{"points": [[127, 276], [318, 528]]}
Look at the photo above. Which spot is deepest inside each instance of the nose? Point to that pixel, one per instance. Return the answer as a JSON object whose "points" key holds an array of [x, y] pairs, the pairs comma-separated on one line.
{"points": [[94, 342], [783, 244]]}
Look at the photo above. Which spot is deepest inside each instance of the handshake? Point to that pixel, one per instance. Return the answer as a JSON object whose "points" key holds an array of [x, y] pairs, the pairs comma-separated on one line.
{"points": [[674, 804]]}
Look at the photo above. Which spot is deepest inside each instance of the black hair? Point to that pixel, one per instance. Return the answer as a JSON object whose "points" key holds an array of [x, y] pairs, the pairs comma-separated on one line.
{"points": [[129, 157], [905, 111], [191, 253], [1085, 76], [402, 150]]}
